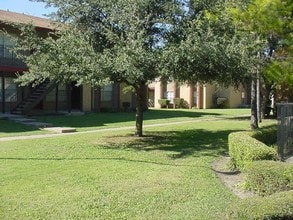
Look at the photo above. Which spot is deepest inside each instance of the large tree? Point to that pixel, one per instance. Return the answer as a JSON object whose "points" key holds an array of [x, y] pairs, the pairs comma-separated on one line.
{"points": [[270, 21], [136, 41], [210, 49], [105, 41]]}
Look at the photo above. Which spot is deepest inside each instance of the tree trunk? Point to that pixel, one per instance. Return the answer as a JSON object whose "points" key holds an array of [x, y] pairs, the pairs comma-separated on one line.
{"points": [[140, 106], [266, 102], [258, 97], [254, 119]]}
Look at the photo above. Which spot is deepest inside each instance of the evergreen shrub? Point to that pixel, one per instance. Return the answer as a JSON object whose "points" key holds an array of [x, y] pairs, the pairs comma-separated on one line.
{"points": [[268, 177], [243, 148], [276, 206]]}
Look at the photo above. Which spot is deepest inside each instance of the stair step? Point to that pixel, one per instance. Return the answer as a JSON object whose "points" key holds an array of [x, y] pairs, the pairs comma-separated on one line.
{"points": [[36, 95]]}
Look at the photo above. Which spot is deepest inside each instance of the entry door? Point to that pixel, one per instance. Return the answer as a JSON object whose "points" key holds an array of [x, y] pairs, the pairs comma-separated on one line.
{"points": [[75, 96]]}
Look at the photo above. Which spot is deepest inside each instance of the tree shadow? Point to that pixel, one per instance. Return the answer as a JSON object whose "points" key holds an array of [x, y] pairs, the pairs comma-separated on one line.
{"points": [[180, 144], [7, 126], [97, 159], [102, 119]]}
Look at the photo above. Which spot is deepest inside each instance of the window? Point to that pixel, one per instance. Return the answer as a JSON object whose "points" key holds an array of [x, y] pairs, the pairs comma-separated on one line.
{"points": [[169, 95], [106, 93], [62, 93], [1, 90], [10, 90], [6, 44]]}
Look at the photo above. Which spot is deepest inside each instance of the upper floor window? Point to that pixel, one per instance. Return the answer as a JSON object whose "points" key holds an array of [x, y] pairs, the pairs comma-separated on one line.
{"points": [[6, 44]]}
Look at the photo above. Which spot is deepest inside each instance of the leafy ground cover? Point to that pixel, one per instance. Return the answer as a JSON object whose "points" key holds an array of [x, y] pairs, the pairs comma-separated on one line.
{"points": [[112, 175]]}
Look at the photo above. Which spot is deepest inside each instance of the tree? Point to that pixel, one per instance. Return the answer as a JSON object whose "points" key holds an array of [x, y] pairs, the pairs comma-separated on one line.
{"points": [[211, 49], [104, 41], [271, 23], [136, 41]]}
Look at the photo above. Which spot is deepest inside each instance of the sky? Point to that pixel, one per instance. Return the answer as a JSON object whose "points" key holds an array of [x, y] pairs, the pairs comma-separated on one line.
{"points": [[25, 6]]}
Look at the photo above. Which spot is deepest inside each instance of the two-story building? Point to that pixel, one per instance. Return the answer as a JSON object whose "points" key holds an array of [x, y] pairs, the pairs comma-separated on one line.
{"points": [[48, 97]]}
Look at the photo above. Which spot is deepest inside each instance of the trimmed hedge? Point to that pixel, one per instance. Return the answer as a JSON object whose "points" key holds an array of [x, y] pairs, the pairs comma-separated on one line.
{"points": [[276, 206], [163, 102], [243, 148], [267, 135], [178, 102], [268, 177]]}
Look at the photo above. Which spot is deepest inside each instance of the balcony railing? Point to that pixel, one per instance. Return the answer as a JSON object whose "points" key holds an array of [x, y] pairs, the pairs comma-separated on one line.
{"points": [[8, 58]]}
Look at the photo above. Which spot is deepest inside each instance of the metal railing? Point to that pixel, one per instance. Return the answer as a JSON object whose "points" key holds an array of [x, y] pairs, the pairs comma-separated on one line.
{"points": [[8, 58], [285, 129]]}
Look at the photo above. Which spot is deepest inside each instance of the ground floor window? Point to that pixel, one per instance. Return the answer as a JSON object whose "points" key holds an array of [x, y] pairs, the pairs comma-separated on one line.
{"points": [[10, 90], [1, 90], [106, 93], [8, 93]]}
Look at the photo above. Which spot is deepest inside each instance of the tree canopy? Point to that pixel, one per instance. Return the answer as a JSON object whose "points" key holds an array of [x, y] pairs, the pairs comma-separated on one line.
{"points": [[271, 21], [137, 41]]}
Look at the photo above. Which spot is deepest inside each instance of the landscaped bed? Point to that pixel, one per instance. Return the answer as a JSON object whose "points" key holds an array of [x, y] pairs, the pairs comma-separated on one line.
{"points": [[263, 175]]}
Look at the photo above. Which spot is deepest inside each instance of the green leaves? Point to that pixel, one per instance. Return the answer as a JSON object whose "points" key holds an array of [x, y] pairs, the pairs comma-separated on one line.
{"points": [[212, 50], [64, 57]]}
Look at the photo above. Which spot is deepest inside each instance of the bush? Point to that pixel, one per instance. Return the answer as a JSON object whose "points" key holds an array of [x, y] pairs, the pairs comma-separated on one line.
{"points": [[163, 102], [178, 102], [222, 102], [268, 177], [267, 135], [243, 149], [276, 206]]}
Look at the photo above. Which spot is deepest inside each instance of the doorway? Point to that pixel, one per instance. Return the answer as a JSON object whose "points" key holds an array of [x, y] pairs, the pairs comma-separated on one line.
{"points": [[75, 96]]}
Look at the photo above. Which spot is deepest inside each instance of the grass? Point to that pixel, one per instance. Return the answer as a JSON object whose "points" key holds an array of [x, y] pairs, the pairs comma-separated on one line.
{"points": [[10, 128], [165, 175], [95, 121]]}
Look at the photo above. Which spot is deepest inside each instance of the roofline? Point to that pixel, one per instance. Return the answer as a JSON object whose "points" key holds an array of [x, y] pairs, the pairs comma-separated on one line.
{"points": [[20, 18]]}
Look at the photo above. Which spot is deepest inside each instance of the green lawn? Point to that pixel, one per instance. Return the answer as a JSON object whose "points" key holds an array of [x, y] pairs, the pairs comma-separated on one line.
{"points": [[10, 128], [112, 175], [95, 121]]}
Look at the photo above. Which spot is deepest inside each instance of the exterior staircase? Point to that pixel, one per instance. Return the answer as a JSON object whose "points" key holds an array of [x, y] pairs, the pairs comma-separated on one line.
{"points": [[37, 95]]}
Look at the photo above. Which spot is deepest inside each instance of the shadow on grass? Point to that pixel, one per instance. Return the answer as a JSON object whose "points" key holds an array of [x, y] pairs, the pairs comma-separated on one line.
{"points": [[7, 126], [102, 119], [99, 158], [179, 144], [176, 145]]}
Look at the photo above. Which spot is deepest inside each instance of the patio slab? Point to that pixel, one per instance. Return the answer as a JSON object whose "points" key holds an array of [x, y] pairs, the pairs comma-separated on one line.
{"points": [[61, 129]]}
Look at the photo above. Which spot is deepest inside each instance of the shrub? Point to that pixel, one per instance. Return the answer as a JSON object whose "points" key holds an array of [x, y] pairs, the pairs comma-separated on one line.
{"points": [[243, 149], [163, 102], [267, 135], [276, 206], [268, 177], [178, 102], [222, 102]]}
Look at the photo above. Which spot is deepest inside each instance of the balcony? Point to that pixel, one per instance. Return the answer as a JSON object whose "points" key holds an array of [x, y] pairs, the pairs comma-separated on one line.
{"points": [[8, 58]]}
